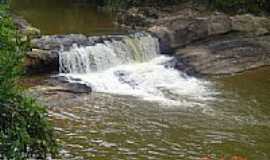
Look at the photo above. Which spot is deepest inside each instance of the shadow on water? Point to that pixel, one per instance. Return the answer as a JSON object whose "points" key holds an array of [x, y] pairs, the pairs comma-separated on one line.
{"points": [[66, 16]]}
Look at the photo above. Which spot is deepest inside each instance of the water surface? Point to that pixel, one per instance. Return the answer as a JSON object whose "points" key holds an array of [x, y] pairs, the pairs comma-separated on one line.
{"points": [[234, 121], [65, 16], [108, 127]]}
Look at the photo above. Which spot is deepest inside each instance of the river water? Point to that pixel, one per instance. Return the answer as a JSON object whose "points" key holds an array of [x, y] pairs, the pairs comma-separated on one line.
{"points": [[153, 111], [65, 16], [106, 126], [215, 117]]}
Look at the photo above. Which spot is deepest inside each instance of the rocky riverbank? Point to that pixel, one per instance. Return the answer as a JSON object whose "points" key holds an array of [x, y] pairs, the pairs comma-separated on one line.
{"points": [[204, 42]]}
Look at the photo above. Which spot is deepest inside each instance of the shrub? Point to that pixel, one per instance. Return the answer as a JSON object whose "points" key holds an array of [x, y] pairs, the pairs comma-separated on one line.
{"points": [[24, 128]]}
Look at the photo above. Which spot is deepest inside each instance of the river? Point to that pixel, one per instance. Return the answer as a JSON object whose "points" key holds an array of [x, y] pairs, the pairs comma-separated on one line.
{"points": [[214, 116], [65, 16]]}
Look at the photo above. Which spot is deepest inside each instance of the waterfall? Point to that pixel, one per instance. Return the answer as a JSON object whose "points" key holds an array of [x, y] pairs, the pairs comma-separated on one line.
{"points": [[139, 47], [131, 65]]}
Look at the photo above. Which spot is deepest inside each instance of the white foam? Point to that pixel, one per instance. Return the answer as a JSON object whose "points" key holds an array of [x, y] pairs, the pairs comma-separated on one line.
{"points": [[102, 56], [132, 66], [150, 81]]}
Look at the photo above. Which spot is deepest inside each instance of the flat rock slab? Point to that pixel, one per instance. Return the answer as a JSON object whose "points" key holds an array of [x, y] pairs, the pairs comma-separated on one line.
{"points": [[179, 32], [64, 42], [224, 55], [57, 91], [44, 55]]}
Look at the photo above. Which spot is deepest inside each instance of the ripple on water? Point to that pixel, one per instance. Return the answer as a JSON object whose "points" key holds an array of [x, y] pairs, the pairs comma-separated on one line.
{"points": [[123, 127]]}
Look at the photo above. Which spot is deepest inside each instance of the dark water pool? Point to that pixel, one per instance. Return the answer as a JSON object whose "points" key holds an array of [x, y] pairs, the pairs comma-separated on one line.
{"points": [[66, 16]]}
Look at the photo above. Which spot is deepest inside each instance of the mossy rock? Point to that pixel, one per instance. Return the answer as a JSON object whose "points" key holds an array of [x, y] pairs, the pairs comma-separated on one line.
{"points": [[31, 32]]}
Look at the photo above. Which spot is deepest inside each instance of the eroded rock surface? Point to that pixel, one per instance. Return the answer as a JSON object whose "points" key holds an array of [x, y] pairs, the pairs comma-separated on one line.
{"points": [[44, 55], [59, 86], [41, 61], [215, 43], [183, 31], [225, 55], [251, 24]]}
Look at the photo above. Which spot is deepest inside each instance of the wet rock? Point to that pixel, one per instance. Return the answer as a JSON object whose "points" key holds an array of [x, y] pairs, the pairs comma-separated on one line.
{"points": [[57, 42], [58, 84], [75, 88], [58, 96], [44, 55], [224, 55], [65, 42], [41, 61]]}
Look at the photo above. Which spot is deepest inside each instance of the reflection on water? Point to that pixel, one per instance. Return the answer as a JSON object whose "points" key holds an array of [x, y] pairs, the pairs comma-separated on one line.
{"points": [[112, 127], [65, 16]]}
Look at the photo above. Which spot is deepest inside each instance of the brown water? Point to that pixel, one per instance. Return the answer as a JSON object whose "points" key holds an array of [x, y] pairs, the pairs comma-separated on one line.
{"points": [[65, 16], [109, 127]]}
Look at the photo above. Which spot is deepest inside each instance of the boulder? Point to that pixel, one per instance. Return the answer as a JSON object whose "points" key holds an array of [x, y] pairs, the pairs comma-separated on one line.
{"points": [[183, 31], [44, 55], [224, 55], [41, 61]]}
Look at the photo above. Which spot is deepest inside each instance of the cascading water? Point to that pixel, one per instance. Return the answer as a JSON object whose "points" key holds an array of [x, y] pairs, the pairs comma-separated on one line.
{"points": [[136, 48], [130, 66]]}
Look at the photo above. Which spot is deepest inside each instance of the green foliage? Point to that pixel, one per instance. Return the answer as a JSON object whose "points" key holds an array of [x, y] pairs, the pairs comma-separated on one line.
{"points": [[24, 128]]}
